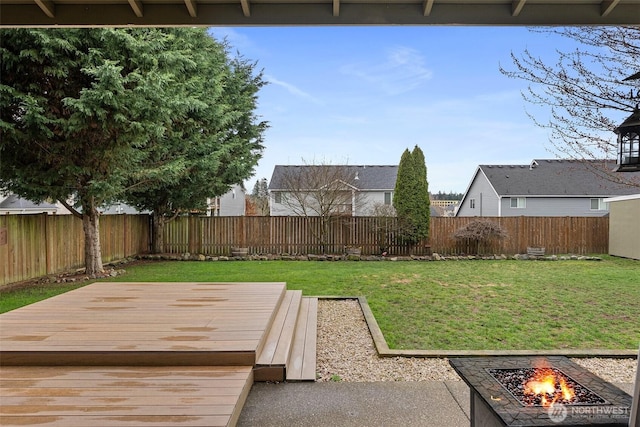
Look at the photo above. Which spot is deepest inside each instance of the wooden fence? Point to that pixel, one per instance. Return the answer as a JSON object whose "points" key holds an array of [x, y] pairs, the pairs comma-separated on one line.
{"points": [[296, 235], [39, 245]]}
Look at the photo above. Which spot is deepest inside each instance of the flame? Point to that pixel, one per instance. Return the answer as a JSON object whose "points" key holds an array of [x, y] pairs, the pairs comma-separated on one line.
{"points": [[549, 386]]}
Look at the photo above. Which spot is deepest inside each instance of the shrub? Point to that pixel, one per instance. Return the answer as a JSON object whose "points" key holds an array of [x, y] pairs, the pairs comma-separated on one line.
{"points": [[479, 234]]}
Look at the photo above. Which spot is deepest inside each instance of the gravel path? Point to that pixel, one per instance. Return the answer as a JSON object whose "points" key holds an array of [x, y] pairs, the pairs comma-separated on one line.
{"points": [[346, 352]]}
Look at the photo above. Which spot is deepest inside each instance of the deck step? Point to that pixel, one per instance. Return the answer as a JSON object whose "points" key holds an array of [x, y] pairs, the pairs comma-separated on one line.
{"points": [[302, 360], [289, 352], [272, 359]]}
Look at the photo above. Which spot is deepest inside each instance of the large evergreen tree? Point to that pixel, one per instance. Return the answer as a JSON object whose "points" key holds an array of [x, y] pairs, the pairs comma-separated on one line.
{"points": [[214, 141], [76, 108], [411, 197], [89, 117]]}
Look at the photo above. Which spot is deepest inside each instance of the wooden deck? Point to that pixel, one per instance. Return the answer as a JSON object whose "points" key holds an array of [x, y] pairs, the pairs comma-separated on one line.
{"points": [[148, 353], [133, 324], [123, 396]]}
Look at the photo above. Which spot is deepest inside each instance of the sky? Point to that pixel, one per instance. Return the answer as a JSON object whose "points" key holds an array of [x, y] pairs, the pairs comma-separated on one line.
{"points": [[362, 95]]}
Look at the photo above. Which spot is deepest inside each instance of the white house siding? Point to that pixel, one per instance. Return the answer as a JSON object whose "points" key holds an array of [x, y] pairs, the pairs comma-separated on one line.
{"points": [[484, 198], [369, 201], [279, 209], [365, 203], [552, 206], [232, 203]]}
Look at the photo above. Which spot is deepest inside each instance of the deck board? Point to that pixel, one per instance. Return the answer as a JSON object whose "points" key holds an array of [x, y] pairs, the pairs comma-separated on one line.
{"points": [[302, 361], [276, 349], [117, 396], [138, 322]]}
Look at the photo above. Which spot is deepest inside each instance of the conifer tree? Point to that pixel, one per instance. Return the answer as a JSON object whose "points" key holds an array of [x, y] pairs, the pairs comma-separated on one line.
{"points": [[411, 197], [158, 117]]}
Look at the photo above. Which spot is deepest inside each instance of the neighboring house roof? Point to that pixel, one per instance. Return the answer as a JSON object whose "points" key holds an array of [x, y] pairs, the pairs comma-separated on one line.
{"points": [[369, 177], [15, 203], [554, 178], [437, 210], [120, 208]]}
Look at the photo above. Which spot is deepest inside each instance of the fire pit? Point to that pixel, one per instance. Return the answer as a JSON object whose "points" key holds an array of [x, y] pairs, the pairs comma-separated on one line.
{"points": [[544, 386], [539, 391]]}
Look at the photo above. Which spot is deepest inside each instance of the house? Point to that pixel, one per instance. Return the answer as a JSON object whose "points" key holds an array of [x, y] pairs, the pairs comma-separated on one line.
{"points": [[12, 204], [120, 208], [354, 190], [542, 188], [232, 203]]}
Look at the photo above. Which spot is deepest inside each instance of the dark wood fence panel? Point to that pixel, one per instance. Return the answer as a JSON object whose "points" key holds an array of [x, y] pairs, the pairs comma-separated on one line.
{"points": [[558, 235], [38, 245], [297, 235]]}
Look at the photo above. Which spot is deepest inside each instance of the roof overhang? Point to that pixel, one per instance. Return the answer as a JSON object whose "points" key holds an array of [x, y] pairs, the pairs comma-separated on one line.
{"points": [[622, 198], [81, 13]]}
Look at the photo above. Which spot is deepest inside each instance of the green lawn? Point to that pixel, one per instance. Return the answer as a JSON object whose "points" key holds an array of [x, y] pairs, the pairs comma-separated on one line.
{"points": [[458, 304]]}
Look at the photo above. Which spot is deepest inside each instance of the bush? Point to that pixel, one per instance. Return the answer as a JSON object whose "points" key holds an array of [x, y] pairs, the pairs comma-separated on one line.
{"points": [[479, 234]]}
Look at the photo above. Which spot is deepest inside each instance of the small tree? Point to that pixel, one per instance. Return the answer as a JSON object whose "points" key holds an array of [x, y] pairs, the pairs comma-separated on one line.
{"points": [[260, 197], [411, 197], [385, 225], [478, 234]]}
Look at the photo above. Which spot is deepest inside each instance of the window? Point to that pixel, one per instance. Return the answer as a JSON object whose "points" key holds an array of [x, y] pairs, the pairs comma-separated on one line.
{"points": [[387, 198], [277, 197], [472, 203], [598, 205], [518, 202]]}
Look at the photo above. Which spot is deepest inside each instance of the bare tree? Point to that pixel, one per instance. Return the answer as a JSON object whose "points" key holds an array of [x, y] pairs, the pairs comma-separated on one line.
{"points": [[322, 190], [385, 226], [586, 92]]}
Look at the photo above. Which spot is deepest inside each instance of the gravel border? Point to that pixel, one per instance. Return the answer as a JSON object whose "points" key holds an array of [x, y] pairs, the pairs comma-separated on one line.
{"points": [[346, 352]]}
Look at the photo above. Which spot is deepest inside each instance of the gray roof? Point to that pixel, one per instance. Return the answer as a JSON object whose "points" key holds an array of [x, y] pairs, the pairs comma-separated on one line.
{"points": [[14, 202], [369, 177], [556, 178]]}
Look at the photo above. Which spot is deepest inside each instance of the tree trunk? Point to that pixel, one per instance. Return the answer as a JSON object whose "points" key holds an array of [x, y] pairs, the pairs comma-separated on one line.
{"points": [[92, 251], [158, 233]]}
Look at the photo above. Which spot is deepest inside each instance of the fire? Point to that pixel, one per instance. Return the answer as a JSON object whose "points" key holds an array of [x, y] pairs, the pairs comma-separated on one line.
{"points": [[549, 386]]}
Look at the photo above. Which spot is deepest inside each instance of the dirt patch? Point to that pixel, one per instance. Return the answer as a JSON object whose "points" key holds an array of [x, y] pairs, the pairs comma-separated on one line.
{"points": [[75, 276]]}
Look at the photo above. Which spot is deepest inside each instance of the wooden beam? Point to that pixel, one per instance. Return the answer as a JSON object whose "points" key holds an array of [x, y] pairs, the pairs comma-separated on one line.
{"points": [[136, 5], [192, 7], [336, 7], [607, 6], [48, 7], [246, 10], [109, 13], [426, 7], [516, 7]]}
